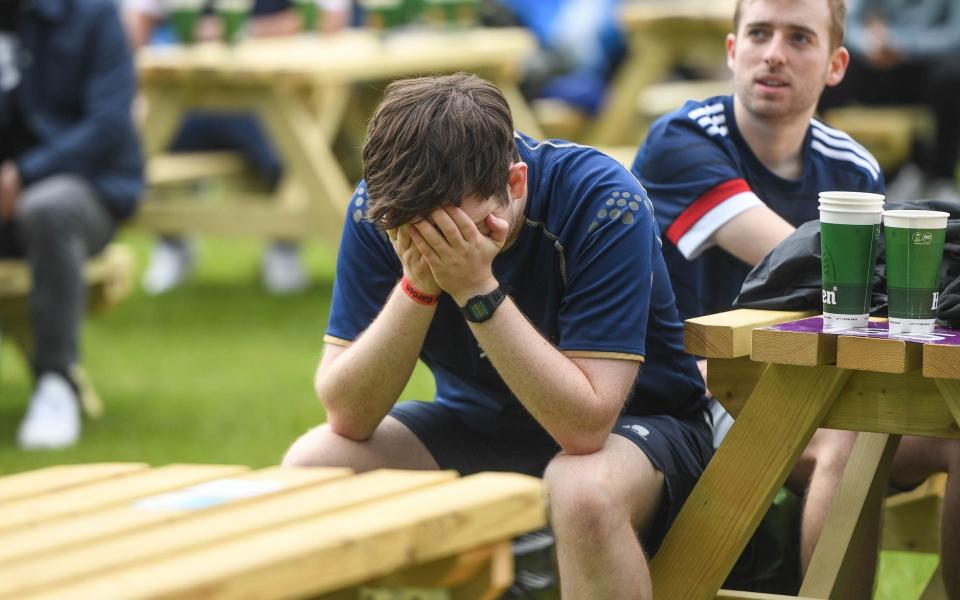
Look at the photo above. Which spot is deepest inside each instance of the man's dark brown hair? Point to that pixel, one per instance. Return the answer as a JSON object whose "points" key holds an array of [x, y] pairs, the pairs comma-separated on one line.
{"points": [[434, 141]]}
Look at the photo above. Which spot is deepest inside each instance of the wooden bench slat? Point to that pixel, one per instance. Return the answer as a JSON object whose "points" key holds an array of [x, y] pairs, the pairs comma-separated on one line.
{"points": [[60, 477], [23, 544], [882, 355], [330, 552], [182, 533], [94, 496], [166, 169], [941, 361], [793, 348], [729, 334]]}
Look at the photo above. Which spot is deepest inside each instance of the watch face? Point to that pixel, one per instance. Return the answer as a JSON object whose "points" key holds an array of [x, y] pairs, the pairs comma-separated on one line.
{"points": [[478, 309]]}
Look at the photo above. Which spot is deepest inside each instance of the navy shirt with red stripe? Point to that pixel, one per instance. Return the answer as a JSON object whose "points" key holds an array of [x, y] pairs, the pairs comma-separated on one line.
{"points": [[699, 173], [586, 270]]}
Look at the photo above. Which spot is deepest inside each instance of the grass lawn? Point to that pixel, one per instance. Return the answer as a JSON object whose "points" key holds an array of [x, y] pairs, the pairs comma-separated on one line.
{"points": [[220, 372]]}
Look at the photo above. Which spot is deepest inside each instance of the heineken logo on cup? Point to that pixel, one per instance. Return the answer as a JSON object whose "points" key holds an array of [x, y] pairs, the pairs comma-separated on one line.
{"points": [[922, 238], [830, 297]]}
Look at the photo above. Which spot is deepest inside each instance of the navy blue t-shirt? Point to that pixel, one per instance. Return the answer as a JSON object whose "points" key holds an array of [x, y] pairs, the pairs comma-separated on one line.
{"points": [[586, 270], [700, 173]]}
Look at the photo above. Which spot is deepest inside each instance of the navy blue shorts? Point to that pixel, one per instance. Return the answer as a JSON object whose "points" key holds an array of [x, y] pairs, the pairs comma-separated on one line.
{"points": [[678, 448]]}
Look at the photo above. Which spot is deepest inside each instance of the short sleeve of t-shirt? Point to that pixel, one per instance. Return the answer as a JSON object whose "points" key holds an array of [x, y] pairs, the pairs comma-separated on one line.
{"points": [[610, 240], [367, 271], [693, 180]]}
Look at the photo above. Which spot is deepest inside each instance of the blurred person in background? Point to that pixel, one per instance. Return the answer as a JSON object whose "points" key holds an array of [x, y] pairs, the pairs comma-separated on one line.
{"points": [[908, 52], [173, 257], [70, 172], [580, 46]]}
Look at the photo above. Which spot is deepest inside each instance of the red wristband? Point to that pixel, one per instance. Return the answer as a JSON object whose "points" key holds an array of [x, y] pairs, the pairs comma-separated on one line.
{"points": [[416, 295]]}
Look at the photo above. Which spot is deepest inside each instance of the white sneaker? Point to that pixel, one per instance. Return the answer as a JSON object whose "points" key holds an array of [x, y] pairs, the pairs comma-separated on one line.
{"points": [[171, 261], [282, 269], [53, 419]]}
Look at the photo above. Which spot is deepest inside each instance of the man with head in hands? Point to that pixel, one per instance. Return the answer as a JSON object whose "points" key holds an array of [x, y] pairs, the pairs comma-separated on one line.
{"points": [[528, 277]]}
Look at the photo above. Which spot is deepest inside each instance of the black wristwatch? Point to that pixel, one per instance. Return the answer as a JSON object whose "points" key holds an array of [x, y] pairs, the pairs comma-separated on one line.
{"points": [[480, 308]]}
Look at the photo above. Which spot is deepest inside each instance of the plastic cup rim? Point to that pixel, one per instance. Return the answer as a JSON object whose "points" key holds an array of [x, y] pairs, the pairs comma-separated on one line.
{"points": [[848, 196]]}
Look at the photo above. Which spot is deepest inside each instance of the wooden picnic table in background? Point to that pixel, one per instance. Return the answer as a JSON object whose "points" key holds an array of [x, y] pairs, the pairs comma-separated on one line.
{"points": [[300, 87], [782, 383], [123, 530], [660, 35]]}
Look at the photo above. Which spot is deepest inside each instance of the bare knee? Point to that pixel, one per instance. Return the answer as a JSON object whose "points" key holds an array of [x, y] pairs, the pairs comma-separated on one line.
{"points": [[581, 498], [319, 447]]}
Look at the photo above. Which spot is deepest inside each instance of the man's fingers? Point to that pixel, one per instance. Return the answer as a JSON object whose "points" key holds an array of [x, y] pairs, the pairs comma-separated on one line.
{"points": [[467, 228], [430, 234], [499, 228], [426, 250], [450, 228]]}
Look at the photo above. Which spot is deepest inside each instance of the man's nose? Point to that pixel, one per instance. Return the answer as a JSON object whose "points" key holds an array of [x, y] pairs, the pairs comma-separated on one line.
{"points": [[775, 54]]}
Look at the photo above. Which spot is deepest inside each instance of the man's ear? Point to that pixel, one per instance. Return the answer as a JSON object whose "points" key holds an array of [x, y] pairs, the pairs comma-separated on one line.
{"points": [[731, 43], [839, 60], [517, 180]]}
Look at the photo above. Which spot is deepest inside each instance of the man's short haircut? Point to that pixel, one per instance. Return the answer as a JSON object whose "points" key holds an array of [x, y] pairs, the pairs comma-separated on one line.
{"points": [[838, 18], [434, 141]]}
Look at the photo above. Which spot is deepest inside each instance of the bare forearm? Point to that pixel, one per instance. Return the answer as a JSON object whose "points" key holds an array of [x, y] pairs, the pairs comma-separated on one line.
{"points": [[550, 385], [753, 234], [360, 383]]}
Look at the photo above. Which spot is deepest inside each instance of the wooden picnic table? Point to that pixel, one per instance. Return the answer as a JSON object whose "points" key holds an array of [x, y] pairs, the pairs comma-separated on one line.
{"points": [[782, 382], [300, 87], [125, 530], [660, 35]]}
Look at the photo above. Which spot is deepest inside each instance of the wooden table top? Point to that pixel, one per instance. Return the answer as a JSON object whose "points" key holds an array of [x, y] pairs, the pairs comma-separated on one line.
{"points": [[120, 530], [799, 338], [641, 13], [350, 56]]}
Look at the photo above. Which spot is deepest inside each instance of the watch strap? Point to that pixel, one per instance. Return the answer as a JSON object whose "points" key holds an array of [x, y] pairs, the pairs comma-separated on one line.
{"points": [[481, 307]]}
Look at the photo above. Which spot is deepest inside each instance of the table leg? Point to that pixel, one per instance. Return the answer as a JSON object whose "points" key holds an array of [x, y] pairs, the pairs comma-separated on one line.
{"points": [[851, 531], [523, 118], [724, 509], [935, 589], [950, 390], [164, 112], [309, 157]]}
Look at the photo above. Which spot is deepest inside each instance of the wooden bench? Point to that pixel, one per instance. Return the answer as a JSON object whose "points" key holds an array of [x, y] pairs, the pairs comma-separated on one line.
{"points": [[220, 531], [911, 521], [109, 278], [888, 132]]}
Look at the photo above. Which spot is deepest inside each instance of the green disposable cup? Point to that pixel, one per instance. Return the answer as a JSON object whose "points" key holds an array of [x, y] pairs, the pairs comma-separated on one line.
{"points": [[914, 251], [184, 21], [233, 18], [308, 11], [849, 236], [384, 14]]}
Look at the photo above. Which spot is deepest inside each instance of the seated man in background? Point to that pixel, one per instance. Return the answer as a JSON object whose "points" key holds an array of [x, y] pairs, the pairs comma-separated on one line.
{"points": [[70, 171], [732, 176], [173, 257], [528, 276], [909, 53]]}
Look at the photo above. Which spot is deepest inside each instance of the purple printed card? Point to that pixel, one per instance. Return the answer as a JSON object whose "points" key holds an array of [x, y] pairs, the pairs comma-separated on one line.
{"points": [[940, 335]]}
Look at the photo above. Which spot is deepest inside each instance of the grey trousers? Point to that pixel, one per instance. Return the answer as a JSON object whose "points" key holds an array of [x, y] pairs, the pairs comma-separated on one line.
{"points": [[60, 221]]}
